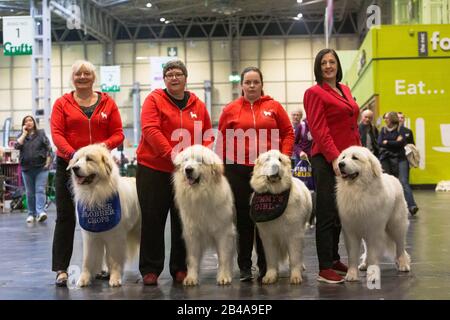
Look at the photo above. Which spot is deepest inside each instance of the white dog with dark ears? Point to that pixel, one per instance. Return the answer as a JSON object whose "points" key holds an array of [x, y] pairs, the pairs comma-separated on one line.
{"points": [[108, 211], [205, 201], [372, 208], [284, 203]]}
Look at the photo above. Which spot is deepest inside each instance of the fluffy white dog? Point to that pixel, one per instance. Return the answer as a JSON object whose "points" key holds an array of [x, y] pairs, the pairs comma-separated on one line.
{"points": [[283, 236], [95, 181], [205, 201], [372, 208]]}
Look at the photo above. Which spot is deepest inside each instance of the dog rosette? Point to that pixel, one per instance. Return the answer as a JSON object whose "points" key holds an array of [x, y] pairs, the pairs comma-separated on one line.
{"points": [[267, 206], [100, 218], [303, 171]]}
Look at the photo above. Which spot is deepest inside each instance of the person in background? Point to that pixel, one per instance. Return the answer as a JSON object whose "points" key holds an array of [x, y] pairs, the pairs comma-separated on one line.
{"points": [[255, 113], [35, 159], [79, 118], [332, 115], [403, 167], [163, 112], [391, 143], [303, 140], [296, 117], [368, 132]]}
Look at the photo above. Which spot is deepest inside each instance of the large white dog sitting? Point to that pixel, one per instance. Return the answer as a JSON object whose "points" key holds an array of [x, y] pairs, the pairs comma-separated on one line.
{"points": [[205, 201], [372, 208], [281, 206], [108, 212]]}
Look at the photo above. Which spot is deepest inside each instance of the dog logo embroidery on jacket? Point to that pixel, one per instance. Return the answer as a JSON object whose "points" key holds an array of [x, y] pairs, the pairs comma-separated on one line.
{"points": [[193, 115], [267, 113], [104, 115]]}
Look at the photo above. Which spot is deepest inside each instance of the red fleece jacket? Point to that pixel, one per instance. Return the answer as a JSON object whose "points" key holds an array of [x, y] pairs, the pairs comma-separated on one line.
{"points": [[265, 113], [72, 129], [161, 121]]}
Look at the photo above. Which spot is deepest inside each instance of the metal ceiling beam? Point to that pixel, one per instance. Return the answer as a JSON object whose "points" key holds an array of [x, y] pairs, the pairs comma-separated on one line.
{"points": [[94, 21]]}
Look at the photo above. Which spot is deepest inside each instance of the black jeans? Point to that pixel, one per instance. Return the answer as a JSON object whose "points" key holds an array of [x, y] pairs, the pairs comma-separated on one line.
{"points": [[328, 226], [156, 197], [239, 178], [390, 166], [65, 218]]}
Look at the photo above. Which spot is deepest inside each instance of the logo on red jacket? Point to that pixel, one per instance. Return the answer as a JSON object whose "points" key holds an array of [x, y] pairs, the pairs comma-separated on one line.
{"points": [[267, 113], [193, 115], [104, 116]]}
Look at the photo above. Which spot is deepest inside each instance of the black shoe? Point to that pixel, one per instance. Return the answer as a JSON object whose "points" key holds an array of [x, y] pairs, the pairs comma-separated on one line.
{"points": [[61, 279], [246, 275], [103, 275], [413, 210]]}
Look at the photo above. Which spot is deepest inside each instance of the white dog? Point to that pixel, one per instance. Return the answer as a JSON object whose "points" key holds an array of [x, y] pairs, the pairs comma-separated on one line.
{"points": [[95, 181], [371, 208], [205, 200], [282, 236]]}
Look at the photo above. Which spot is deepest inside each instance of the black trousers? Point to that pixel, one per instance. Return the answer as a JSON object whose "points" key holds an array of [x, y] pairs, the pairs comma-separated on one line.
{"points": [[390, 166], [65, 218], [239, 178], [328, 226], [156, 198]]}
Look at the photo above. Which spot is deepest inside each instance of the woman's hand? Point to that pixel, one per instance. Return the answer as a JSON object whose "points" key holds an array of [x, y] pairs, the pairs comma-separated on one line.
{"points": [[335, 165], [303, 155], [24, 130]]}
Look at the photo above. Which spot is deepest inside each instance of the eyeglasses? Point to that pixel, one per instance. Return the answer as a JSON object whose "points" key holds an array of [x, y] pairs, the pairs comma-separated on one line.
{"points": [[172, 75]]}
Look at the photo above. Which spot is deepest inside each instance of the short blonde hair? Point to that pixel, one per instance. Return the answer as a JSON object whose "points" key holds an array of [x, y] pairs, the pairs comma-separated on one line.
{"points": [[77, 65]]}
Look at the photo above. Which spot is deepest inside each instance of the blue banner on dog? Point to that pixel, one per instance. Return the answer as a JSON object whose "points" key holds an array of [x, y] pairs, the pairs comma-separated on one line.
{"points": [[100, 218]]}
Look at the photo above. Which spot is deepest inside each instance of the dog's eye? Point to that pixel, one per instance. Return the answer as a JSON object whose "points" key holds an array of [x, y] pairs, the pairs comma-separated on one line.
{"points": [[89, 159], [354, 158]]}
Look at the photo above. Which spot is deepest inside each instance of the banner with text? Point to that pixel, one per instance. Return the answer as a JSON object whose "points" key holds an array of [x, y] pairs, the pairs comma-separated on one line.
{"points": [[18, 36]]}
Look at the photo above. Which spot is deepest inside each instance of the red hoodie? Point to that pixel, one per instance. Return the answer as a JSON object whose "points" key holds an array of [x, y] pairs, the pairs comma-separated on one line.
{"points": [[160, 119], [265, 113], [72, 129]]}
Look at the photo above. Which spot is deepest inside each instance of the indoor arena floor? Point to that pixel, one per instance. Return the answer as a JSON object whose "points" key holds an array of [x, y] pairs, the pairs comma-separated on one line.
{"points": [[25, 264]]}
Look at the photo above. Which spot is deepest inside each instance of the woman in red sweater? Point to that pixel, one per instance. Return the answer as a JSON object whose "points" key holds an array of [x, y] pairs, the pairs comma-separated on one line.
{"points": [[332, 115], [79, 118], [248, 126], [170, 118]]}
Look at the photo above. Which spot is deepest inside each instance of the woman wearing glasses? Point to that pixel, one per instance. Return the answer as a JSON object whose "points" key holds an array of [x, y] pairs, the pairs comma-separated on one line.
{"points": [[164, 113]]}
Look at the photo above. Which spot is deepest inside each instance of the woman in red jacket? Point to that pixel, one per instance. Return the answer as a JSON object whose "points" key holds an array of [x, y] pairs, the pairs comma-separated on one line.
{"points": [[79, 118], [247, 128], [332, 115], [168, 119]]}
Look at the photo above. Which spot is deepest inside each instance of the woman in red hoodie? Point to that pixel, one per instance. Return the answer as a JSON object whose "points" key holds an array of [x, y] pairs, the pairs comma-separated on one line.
{"points": [[248, 126], [170, 118], [79, 118]]}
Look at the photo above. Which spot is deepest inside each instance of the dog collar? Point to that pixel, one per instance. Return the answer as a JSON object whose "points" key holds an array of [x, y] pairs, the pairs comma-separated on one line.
{"points": [[268, 206]]}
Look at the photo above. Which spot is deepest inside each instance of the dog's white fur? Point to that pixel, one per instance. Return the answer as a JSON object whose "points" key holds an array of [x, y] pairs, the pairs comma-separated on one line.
{"points": [[205, 201], [284, 235], [121, 242], [372, 208]]}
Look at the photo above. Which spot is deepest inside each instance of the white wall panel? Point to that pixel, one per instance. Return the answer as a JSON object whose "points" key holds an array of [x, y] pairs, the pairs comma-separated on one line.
{"points": [[22, 78], [272, 49], [95, 54], [5, 96], [71, 53], [196, 51], [296, 90], [220, 50], [221, 94], [249, 49], [276, 90], [146, 49], [273, 70], [197, 72], [22, 99], [298, 48], [222, 70], [5, 61], [299, 70], [4, 78], [124, 53]]}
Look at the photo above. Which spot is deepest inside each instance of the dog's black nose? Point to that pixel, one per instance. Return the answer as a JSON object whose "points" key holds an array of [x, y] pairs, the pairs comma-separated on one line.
{"points": [[188, 170], [341, 165], [75, 169]]}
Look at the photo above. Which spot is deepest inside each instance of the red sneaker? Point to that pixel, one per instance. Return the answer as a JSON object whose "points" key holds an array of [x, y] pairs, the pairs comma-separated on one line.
{"points": [[329, 276], [179, 276], [339, 267], [150, 279]]}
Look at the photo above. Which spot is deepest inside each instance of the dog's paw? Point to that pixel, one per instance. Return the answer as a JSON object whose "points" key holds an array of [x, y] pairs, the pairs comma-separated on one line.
{"points": [[352, 275], [296, 278], [84, 280], [303, 267], [403, 263], [190, 281], [224, 279], [115, 281], [362, 266], [270, 277], [373, 274]]}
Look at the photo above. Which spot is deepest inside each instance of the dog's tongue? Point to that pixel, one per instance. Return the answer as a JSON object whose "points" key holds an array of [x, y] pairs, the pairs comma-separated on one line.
{"points": [[80, 180], [191, 181]]}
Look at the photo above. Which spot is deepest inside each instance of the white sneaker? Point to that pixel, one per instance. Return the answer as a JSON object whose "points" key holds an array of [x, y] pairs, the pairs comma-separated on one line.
{"points": [[42, 217], [30, 219]]}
